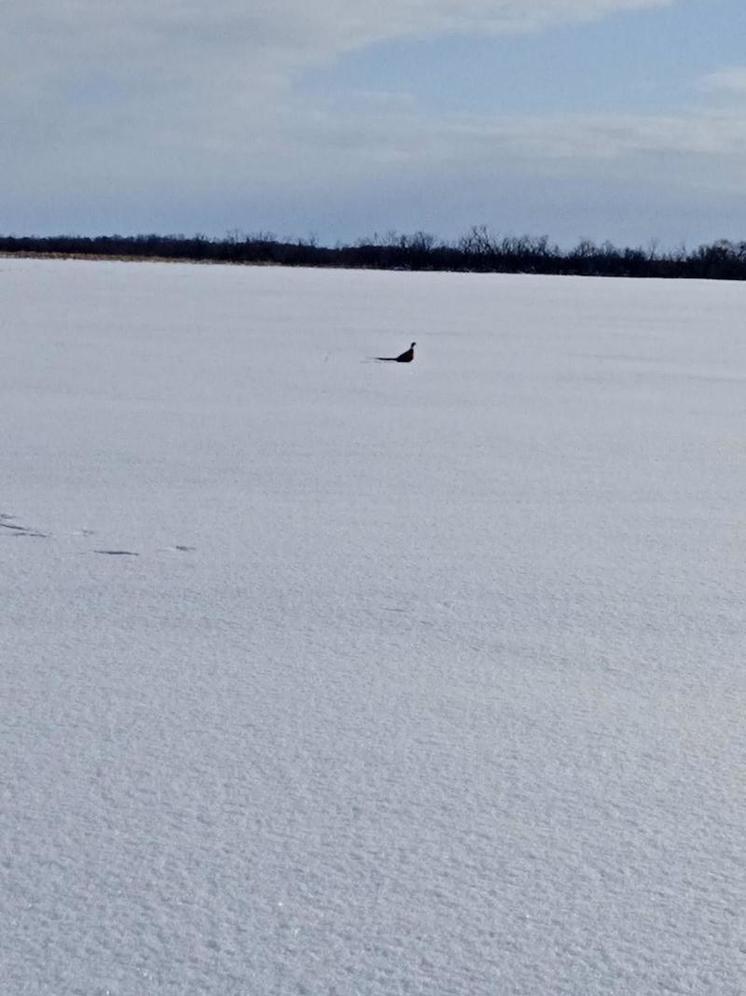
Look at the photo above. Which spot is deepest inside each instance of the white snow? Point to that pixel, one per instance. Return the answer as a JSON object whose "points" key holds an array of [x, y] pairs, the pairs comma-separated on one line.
{"points": [[425, 679]]}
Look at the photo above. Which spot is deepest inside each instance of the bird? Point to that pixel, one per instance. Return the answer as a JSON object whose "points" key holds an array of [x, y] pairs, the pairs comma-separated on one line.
{"points": [[406, 357]]}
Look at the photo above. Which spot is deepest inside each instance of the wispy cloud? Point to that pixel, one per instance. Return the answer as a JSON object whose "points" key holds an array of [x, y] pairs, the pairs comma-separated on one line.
{"points": [[139, 85], [188, 45], [389, 136], [731, 80]]}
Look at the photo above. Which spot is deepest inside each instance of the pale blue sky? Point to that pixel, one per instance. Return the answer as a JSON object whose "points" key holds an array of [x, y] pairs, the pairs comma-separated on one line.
{"points": [[620, 119], [650, 60]]}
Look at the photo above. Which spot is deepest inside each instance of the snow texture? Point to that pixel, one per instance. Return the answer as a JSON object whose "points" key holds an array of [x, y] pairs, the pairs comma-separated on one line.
{"points": [[325, 676]]}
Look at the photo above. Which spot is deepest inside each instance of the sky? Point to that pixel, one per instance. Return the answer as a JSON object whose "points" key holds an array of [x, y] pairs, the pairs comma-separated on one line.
{"points": [[601, 119]]}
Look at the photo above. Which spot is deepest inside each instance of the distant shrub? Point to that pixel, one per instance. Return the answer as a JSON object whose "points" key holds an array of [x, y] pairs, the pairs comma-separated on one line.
{"points": [[479, 250]]}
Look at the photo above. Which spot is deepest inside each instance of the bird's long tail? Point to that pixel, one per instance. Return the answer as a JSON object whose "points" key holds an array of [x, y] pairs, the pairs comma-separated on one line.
{"points": [[386, 359]]}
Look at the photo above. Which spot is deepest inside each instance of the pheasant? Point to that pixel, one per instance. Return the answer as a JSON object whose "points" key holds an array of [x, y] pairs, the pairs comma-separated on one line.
{"points": [[406, 357]]}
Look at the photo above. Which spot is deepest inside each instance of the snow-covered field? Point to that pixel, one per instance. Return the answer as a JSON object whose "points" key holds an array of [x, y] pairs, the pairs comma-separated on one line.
{"points": [[325, 676]]}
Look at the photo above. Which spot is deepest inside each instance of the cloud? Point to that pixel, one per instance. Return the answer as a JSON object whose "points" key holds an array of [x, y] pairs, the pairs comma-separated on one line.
{"points": [[283, 25], [119, 91], [48, 45], [385, 139], [146, 99], [730, 81]]}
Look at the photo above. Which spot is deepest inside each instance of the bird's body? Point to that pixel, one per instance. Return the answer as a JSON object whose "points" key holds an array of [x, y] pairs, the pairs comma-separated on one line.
{"points": [[406, 357]]}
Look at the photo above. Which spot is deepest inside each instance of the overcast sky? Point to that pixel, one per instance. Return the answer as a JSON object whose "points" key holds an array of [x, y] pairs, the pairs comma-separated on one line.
{"points": [[620, 119]]}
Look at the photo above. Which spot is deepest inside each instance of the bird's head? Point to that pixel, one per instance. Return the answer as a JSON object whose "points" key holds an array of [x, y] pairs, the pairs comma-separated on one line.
{"points": [[413, 345]]}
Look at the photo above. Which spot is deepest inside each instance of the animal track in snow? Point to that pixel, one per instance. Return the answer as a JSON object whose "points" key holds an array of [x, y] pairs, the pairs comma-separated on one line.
{"points": [[18, 530], [15, 529]]}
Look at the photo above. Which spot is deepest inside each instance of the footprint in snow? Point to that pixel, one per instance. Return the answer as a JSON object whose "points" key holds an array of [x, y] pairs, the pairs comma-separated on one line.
{"points": [[179, 547], [15, 530]]}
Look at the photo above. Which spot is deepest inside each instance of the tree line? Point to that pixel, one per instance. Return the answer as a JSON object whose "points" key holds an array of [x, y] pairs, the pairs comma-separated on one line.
{"points": [[479, 250]]}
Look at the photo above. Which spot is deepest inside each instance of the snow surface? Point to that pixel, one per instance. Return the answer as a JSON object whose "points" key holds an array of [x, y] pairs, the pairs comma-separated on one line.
{"points": [[424, 679]]}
